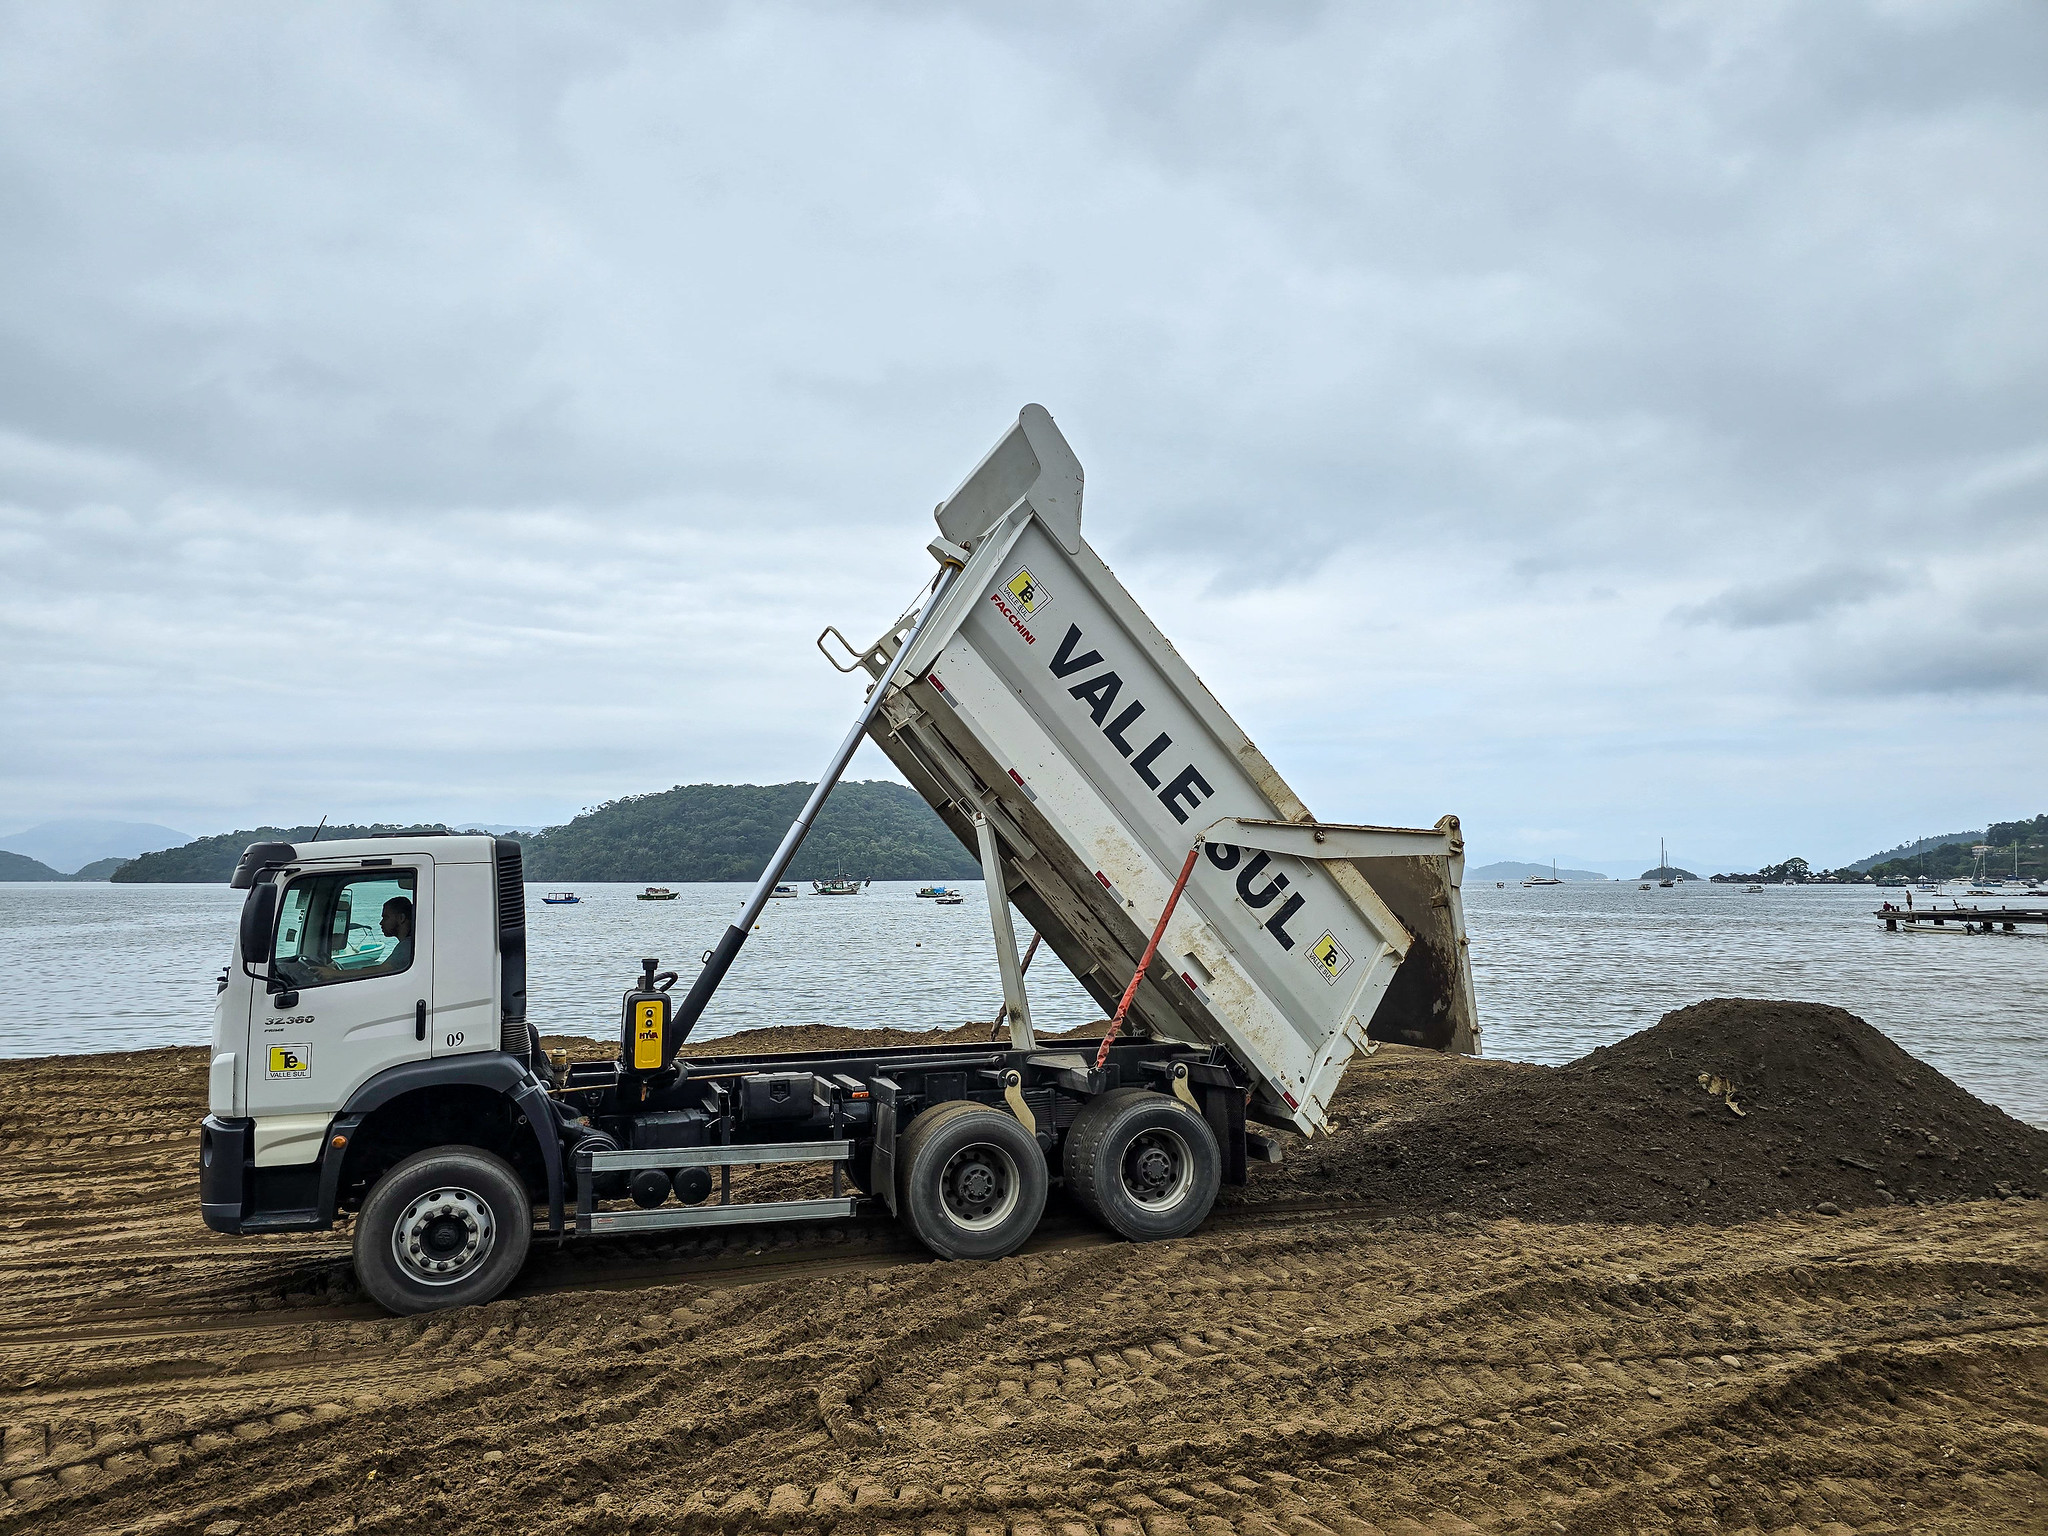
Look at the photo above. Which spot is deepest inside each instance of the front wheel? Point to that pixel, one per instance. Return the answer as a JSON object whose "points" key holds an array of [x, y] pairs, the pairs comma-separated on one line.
{"points": [[447, 1227], [972, 1181], [1143, 1164]]}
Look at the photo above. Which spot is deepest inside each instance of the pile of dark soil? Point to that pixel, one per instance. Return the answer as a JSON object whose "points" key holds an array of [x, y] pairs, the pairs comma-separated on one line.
{"points": [[1728, 1109]]}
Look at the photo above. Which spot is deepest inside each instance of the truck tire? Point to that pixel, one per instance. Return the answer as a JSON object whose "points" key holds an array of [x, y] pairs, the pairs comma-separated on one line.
{"points": [[971, 1181], [447, 1227], [1143, 1164]]}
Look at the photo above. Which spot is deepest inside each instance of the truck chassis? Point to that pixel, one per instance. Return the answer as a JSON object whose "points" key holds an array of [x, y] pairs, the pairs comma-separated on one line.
{"points": [[958, 1142]]}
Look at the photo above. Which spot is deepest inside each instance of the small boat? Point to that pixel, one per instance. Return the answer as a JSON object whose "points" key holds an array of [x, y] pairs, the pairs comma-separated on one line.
{"points": [[1751, 890], [1549, 879], [783, 893], [934, 892], [952, 899], [656, 893], [1666, 884], [1644, 886], [836, 887], [562, 899]]}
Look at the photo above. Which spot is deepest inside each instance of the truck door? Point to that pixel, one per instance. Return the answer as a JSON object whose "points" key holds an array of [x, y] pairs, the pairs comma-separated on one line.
{"points": [[357, 945]]}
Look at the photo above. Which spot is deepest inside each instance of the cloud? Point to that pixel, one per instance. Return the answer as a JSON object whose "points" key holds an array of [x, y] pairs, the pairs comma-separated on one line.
{"points": [[1799, 599], [484, 407]]}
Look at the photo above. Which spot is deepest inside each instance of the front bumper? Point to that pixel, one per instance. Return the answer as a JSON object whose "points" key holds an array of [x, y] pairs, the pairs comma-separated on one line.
{"points": [[238, 1198], [227, 1184]]}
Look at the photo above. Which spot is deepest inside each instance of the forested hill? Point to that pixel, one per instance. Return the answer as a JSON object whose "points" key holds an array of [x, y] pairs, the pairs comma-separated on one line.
{"points": [[19, 866], [871, 830], [210, 860]]}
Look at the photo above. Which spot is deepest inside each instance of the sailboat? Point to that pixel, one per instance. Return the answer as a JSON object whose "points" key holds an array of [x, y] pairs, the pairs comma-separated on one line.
{"points": [[1663, 863], [1549, 879]]}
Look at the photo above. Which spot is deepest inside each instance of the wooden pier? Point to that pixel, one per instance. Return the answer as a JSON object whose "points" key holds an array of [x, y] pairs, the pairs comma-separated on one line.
{"points": [[1962, 919]]}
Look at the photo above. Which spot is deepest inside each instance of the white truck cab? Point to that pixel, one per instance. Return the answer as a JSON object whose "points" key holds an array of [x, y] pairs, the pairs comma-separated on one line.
{"points": [[359, 967]]}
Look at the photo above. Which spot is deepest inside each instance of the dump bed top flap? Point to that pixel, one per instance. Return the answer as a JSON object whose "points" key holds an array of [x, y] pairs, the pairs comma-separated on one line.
{"points": [[1041, 696]]}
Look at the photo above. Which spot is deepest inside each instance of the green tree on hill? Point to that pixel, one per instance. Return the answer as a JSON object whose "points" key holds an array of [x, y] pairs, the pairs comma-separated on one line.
{"points": [[2016, 848], [210, 860], [868, 830], [874, 830]]}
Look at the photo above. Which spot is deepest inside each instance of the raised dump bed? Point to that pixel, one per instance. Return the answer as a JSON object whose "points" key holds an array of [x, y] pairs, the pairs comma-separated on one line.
{"points": [[1041, 699]]}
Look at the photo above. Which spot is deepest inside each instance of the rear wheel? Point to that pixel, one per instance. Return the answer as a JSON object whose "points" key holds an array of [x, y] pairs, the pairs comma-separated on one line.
{"points": [[1143, 1164], [972, 1181], [448, 1227]]}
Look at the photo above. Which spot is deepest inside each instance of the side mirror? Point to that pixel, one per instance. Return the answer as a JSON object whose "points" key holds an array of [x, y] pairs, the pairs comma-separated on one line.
{"points": [[259, 922]]}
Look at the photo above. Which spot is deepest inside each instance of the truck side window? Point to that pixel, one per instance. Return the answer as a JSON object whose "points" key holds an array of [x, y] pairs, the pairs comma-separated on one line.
{"points": [[344, 927]]}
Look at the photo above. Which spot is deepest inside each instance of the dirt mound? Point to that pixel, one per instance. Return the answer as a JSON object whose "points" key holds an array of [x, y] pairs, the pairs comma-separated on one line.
{"points": [[1728, 1109]]}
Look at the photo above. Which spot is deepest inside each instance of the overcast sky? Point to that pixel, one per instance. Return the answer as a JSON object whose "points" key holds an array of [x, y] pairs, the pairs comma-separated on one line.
{"points": [[1603, 422]]}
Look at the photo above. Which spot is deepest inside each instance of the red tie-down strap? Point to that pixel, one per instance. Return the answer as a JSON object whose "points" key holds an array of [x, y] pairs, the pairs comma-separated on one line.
{"points": [[1158, 932]]}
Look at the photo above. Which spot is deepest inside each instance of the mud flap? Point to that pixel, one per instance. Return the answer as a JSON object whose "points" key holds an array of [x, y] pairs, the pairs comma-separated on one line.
{"points": [[538, 1111], [882, 1162], [1223, 1108]]}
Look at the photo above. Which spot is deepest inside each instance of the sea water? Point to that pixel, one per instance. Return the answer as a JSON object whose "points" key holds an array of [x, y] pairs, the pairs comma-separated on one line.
{"points": [[1559, 969]]}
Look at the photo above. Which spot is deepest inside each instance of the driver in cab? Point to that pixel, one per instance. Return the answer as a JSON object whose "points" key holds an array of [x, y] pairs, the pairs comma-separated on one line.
{"points": [[397, 924]]}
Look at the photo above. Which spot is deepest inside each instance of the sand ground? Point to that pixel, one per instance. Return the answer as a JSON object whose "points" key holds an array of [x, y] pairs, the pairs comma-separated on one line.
{"points": [[1319, 1358]]}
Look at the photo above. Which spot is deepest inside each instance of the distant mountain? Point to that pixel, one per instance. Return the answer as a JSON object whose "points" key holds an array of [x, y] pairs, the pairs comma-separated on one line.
{"points": [[98, 869], [873, 830], [210, 860], [19, 866], [1509, 869], [69, 845], [1667, 872]]}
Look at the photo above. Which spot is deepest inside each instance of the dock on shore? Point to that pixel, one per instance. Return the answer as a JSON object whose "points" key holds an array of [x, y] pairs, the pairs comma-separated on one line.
{"points": [[1966, 919]]}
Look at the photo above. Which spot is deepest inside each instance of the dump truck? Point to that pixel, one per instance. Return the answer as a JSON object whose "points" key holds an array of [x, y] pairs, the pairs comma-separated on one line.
{"points": [[373, 1058]]}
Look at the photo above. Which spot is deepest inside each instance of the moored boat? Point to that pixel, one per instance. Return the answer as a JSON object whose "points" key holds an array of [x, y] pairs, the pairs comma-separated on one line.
{"points": [[656, 893], [836, 887], [561, 899]]}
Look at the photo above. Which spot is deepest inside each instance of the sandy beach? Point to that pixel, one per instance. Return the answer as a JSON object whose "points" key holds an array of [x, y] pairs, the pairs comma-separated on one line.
{"points": [[1647, 1323]]}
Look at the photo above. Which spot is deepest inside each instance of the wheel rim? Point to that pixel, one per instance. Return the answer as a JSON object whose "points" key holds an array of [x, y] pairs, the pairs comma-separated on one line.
{"points": [[1158, 1169], [980, 1186], [444, 1236]]}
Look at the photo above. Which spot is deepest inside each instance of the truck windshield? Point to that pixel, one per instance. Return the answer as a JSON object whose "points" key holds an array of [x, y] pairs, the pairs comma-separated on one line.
{"points": [[343, 927]]}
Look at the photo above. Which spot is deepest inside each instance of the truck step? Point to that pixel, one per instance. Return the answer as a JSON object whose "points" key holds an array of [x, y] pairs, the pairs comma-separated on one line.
{"points": [[739, 1155], [601, 1222]]}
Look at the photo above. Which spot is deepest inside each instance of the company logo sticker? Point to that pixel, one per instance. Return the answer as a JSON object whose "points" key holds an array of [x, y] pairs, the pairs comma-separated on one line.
{"points": [[1329, 957], [289, 1061], [1025, 592]]}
